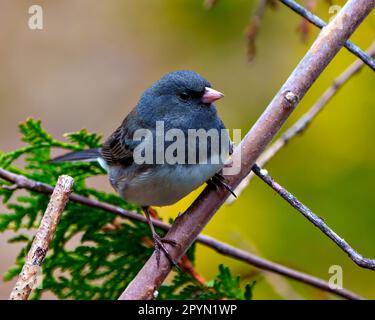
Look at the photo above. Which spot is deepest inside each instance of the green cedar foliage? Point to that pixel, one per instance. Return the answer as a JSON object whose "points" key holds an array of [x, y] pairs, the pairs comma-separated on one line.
{"points": [[87, 260]]}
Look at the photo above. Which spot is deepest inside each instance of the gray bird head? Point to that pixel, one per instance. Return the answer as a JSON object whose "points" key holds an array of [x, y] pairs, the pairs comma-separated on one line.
{"points": [[182, 99]]}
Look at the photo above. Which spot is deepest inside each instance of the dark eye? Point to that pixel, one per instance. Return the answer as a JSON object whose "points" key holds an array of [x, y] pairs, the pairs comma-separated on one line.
{"points": [[184, 96]]}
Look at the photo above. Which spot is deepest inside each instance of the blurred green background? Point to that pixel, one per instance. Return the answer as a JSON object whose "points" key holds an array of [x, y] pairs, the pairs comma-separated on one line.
{"points": [[91, 62]]}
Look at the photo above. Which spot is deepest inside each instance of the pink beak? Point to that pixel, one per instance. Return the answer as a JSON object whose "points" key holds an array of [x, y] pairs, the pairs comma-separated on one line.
{"points": [[210, 95]]}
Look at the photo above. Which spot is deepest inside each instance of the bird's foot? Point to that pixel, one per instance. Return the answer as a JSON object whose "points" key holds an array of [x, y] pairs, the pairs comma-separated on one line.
{"points": [[159, 246]]}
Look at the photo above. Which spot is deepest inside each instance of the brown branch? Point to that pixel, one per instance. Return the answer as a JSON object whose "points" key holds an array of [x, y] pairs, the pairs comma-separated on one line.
{"points": [[314, 219], [218, 246], [304, 26], [252, 28], [209, 4], [188, 267], [40, 245], [305, 120], [188, 225]]}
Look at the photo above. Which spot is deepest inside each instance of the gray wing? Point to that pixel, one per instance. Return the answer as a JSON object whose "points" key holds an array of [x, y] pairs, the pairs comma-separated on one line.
{"points": [[118, 148]]}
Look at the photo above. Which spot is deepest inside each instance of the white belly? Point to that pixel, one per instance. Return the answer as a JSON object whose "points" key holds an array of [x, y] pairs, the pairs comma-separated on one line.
{"points": [[167, 184]]}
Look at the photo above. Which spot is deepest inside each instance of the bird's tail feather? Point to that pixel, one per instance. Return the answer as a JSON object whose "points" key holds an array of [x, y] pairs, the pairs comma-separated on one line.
{"points": [[84, 155]]}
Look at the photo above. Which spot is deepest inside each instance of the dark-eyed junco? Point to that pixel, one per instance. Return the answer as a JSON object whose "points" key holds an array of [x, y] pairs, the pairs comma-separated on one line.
{"points": [[181, 104]]}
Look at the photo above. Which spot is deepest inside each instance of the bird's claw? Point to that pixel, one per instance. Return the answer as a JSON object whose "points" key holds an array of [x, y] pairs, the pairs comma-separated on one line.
{"points": [[218, 180], [159, 246]]}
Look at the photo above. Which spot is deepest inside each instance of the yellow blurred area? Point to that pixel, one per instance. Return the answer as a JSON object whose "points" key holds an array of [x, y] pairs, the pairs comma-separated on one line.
{"points": [[92, 60]]}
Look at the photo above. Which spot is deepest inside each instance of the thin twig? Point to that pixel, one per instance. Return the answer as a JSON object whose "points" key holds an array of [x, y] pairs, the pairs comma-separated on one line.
{"points": [[315, 20], [207, 241], [263, 264], [188, 226], [314, 219], [40, 245], [304, 121]]}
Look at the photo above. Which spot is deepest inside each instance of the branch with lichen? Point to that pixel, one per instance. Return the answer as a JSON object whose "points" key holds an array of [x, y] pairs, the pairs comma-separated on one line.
{"points": [[40, 245]]}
